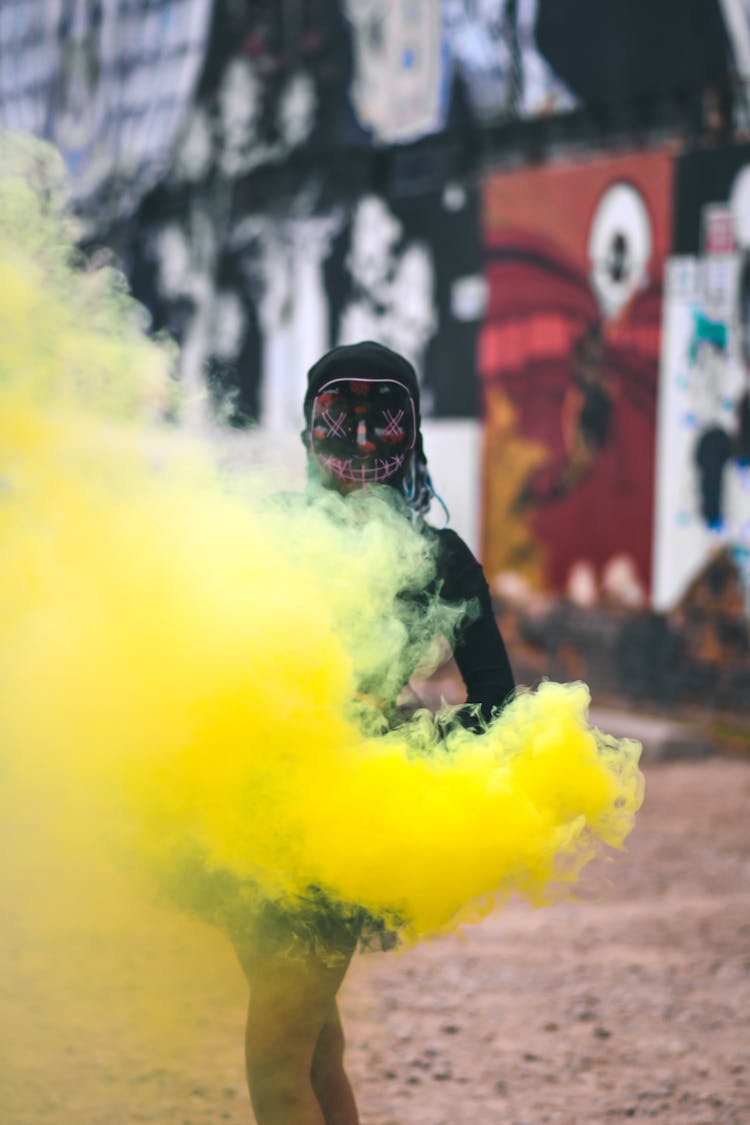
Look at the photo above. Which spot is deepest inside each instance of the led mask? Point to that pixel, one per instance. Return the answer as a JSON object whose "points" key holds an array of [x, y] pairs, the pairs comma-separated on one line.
{"points": [[361, 430]]}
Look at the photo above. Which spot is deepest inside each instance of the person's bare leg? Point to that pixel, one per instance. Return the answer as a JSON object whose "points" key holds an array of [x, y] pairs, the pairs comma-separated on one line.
{"points": [[329, 1079], [291, 1002]]}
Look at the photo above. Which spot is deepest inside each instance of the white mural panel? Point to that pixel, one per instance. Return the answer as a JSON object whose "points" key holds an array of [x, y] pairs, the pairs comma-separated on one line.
{"points": [[703, 474]]}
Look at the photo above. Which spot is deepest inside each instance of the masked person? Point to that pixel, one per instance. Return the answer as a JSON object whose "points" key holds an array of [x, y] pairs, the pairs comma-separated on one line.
{"points": [[362, 429]]}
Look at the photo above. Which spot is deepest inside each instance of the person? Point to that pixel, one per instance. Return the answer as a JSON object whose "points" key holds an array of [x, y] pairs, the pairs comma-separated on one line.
{"points": [[362, 428]]}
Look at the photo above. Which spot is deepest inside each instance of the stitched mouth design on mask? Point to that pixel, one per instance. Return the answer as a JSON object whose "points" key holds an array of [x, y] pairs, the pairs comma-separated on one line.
{"points": [[361, 470]]}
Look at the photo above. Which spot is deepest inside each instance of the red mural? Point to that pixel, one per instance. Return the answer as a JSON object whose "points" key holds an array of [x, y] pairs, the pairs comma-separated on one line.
{"points": [[569, 358]]}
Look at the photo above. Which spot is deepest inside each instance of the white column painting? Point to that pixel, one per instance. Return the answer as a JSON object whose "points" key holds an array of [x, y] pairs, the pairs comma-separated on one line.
{"points": [[702, 480]]}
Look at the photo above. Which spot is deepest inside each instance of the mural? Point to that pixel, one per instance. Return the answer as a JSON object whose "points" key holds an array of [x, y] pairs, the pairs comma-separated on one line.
{"points": [[703, 497], [398, 78], [421, 67], [109, 84], [243, 293], [569, 359], [406, 270], [255, 296]]}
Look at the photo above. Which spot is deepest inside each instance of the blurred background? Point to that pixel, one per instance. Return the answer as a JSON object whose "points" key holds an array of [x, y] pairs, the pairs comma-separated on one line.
{"points": [[544, 204]]}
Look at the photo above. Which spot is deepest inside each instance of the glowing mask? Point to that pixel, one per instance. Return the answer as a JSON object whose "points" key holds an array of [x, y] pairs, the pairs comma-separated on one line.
{"points": [[362, 429]]}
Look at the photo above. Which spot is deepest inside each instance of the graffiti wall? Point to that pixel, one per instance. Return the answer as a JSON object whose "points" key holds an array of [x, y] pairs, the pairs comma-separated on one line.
{"points": [[703, 484], [109, 84], [568, 359], [260, 295], [423, 67], [230, 153]]}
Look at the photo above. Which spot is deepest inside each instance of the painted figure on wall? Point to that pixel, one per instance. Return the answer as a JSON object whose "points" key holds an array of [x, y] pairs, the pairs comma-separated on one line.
{"points": [[713, 444], [703, 480], [569, 360], [742, 440]]}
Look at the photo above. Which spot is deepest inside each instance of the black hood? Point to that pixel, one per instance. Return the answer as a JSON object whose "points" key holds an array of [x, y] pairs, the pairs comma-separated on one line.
{"points": [[366, 360]]}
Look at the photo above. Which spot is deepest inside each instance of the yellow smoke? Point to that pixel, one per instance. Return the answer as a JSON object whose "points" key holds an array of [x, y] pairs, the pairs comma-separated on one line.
{"points": [[181, 653]]}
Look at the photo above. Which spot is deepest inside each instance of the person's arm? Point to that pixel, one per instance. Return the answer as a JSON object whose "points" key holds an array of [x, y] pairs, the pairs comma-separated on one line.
{"points": [[479, 649]]}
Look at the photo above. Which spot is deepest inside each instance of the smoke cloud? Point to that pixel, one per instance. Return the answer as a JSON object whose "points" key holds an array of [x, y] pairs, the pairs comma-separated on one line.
{"points": [[192, 666]]}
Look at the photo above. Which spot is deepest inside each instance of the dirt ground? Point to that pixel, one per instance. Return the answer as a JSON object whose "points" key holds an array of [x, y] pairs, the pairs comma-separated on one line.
{"points": [[631, 1003]]}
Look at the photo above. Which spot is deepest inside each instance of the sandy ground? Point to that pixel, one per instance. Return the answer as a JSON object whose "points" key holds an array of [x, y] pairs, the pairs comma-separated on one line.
{"points": [[632, 1003]]}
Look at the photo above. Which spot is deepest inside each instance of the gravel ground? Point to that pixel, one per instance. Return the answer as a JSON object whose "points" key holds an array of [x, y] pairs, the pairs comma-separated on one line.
{"points": [[630, 1003]]}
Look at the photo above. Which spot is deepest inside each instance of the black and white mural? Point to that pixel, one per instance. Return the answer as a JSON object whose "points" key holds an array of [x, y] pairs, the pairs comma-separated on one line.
{"points": [[255, 297]]}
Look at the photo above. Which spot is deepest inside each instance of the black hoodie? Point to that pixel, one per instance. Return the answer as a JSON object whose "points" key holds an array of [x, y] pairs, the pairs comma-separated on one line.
{"points": [[479, 650]]}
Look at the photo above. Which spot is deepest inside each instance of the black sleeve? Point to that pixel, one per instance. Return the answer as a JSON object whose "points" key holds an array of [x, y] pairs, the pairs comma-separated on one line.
{"points": [[479, 649]]}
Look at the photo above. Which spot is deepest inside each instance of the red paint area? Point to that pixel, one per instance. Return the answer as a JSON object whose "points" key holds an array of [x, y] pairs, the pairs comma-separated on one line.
{"points": [[581, 385]]}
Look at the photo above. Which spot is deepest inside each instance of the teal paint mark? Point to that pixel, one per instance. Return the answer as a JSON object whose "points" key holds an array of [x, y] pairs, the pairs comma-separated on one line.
{"points": [[707, 331]]}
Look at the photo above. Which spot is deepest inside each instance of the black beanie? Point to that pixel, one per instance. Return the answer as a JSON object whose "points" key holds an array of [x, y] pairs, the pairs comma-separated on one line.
{"points": [[366, 360]]}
